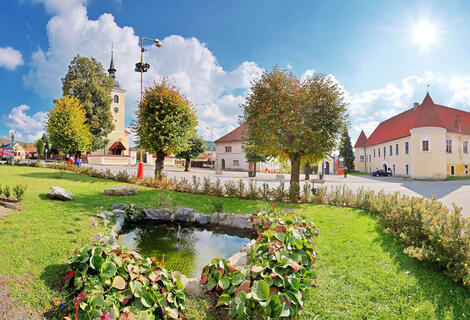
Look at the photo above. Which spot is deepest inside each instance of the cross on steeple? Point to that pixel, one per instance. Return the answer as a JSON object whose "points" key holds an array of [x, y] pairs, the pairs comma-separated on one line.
{"points": [[112, 70]]}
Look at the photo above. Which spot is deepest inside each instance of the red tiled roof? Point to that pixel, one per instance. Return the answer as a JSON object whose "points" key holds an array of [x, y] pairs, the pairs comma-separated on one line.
{"points": [[30, 149], [126, 132], [235, 135], [427, 114], [361, 141], [117, 144]]}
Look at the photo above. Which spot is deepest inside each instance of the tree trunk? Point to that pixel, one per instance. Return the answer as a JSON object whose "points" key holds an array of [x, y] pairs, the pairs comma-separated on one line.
{"points": [[294, 176], [254, 169], [307, 171], [159, 165], [187, 164]]}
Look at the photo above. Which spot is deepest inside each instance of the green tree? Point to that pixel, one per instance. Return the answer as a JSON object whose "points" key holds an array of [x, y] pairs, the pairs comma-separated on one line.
{"points": [[40, 147], [66, 126], [346, 150], [165, 122], [87, 81], [253, 155], [291, 118], [196, 147]]}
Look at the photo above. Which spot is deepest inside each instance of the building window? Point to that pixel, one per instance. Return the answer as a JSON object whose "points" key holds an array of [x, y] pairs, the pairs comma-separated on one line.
{"points": [[465, 147], [391, 150], [406, 169], [116, 98], [452, 170], [374, 153], [236, 163], [228, 149], [385, 152], [425, 145], [396, 149], [393, 169], [361, 158], [369, 157], [406, 147], [449, 145], [378, 149]]}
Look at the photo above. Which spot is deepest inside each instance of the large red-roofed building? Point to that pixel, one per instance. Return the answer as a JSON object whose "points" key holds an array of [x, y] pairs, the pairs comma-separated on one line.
{"points": [[426, 141]]}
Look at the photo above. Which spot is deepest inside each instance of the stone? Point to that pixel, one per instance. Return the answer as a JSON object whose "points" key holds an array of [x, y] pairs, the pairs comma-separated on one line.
{"points": [[225, 219], [104, 239], [118, 212], [158, 214], [241, 222], [94, 222], [58, 193], [202, 219], [9, 205], [238, 259], [118, 206], [184, 215], [111, 241], [105, 222], [101, 215], [191, 286], [247, 246], [108, 213], [121, 191], [214, 220]]}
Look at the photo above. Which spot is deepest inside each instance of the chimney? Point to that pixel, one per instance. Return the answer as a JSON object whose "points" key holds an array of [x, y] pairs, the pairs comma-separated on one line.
{"points": [[458, 123], [415, 106]]}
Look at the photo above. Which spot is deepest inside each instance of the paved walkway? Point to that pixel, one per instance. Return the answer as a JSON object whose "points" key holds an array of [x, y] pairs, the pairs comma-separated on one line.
{"points": [[448, 192]]}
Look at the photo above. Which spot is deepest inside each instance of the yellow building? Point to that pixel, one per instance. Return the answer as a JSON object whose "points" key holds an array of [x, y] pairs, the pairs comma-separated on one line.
{"points": [[19, 152], [118, 139], [428, 141]]}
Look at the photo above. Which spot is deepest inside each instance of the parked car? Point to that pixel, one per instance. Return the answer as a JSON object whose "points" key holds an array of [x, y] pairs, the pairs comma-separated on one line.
{"points": [[381, 173]]}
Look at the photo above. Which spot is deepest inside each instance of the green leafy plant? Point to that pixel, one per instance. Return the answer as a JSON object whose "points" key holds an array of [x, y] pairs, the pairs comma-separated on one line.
{"points": [[277, 278], [230, 189], [123, 285], [217, 205], [217, 189], [206, 185], [252, 193], [279, 193], [19, 191], [165, 200], [133, 213], [7, 191], [195, 185], [241, 189], [265, 192]]}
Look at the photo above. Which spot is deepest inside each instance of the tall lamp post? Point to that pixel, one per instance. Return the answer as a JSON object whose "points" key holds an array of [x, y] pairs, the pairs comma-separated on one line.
{"points": [[212, 141], [143, 67]]}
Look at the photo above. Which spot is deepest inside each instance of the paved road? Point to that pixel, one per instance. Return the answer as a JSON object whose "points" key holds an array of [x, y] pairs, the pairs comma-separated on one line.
{"points": [[448, 192]]}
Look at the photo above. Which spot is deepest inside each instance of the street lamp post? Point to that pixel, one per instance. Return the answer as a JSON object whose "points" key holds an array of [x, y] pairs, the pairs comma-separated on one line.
{"points": [[143, 67], [212, 141]]}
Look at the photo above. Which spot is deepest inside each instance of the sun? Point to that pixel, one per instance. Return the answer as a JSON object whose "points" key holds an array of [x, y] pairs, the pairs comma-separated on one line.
{"points": [[424, 34]]}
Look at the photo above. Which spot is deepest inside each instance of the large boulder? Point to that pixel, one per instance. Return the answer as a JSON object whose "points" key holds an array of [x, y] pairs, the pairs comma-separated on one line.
{"points": [[58, 193], [191, 286], [201, 218], [121, 191], [184, 215], [241, 222], [158, 214], [238, 259]]}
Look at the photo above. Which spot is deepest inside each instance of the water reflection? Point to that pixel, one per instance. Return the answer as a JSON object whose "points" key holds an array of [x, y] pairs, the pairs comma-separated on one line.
{"points": [[186, 248]]}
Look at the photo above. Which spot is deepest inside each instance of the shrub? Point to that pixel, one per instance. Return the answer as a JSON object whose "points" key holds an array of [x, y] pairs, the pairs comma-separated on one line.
{"points": [[217, 206], [122, 285], [122, 176], [252, 193], [217, 189], [265, 192], [279, 193], [133, 213], [165, 200], [1, 189], [182, 185], [294, 191], [241, 189], [320, 196], [306, 192], [231, 189], [276, 279], [7, 191], [19, 191], [196, 184], [206, 186]]}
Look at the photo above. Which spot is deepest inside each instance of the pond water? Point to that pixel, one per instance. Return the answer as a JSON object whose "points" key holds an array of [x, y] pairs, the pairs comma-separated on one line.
{"points": [[186, 248]]}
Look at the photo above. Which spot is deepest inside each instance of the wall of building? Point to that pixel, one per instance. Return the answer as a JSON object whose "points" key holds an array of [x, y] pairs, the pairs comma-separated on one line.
{"points": [[458, 158], [232, 157], [428, 164]]}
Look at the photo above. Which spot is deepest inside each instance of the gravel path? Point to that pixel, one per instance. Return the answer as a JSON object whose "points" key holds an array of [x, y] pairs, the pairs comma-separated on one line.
{"points": [[9, 309]]}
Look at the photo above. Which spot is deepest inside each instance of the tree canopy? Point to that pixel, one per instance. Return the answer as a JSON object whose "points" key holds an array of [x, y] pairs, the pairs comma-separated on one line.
{"points": [[346, 150], [196, 146], [40, 146], [87, 80], [66, 126], [292, 118], [165, 122], [253, 154]]}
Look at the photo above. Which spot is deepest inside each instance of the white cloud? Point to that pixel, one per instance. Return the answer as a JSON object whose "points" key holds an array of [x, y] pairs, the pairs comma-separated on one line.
{"points": [[26, 127], [186, 61], [10, 58]]}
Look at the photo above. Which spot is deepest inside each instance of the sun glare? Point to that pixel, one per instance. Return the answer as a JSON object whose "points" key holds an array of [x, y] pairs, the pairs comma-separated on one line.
{"points": [[424, 34]]}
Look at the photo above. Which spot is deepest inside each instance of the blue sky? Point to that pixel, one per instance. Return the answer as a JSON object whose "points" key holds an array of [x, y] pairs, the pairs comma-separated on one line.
{"points": [[213, 49]]}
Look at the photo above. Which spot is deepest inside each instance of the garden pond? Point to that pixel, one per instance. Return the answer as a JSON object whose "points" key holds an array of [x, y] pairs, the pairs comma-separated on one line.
{"points": [[187, 248]]}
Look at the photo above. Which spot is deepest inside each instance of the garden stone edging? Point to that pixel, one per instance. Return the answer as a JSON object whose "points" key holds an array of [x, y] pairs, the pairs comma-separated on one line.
{"points": [[121, 191], [191, 285]]}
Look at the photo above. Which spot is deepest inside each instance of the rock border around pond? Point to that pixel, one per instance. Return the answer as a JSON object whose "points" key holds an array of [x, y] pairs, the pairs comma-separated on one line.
{"points": [[186, 215]]}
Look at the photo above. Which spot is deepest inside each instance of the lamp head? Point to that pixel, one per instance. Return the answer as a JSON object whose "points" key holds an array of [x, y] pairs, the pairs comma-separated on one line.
{"points": [[158, 44]]}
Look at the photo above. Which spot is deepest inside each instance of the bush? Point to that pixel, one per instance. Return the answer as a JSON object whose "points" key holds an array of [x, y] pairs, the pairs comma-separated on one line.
{"points": [[165, 200], [294, 191], [276, 279], [196, 184], [217, 206], [230, 189], [6, 191], [265, 192], [122, 176], [217, 189], [279, 194], [19, 191], [206, 186], [133, 213], [241, 189], [121, 285], [252, 193]]}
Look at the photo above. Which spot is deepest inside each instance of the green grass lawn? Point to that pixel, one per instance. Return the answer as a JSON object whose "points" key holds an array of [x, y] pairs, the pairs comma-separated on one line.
{"points": [[451, 178], [362, 272]]}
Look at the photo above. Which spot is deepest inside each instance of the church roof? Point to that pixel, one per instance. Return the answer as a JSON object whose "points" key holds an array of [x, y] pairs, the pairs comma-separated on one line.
{"points": [[361, 141], [426, 114]]}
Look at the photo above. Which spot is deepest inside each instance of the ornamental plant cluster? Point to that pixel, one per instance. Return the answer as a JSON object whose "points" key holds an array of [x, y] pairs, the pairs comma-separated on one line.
{"points": [[431, 231], [277, 278], [113, 284], [18, 191], [133, 213]]}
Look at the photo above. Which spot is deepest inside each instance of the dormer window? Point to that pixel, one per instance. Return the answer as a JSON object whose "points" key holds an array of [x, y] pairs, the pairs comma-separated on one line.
{"points": [[116, 98]]}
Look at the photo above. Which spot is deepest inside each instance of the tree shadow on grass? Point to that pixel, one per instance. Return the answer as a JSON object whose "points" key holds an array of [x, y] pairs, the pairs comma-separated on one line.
{"points": [[448, 296], [53, 276], [63, 175]]}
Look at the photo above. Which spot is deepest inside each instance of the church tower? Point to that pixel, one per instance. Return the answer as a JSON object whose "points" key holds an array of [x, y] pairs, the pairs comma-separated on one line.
{"points": [[119, 138]]}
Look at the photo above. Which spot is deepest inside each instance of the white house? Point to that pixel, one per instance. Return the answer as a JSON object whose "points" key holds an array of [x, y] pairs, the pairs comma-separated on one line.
{"points": [[230, 155]]}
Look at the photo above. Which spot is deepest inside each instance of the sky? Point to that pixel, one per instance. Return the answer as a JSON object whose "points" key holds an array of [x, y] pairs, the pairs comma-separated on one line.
{"points": [[384, 55]]}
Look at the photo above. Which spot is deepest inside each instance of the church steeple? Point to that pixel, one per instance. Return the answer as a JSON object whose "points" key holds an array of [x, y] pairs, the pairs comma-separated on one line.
{"points": [[112, 70]]}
